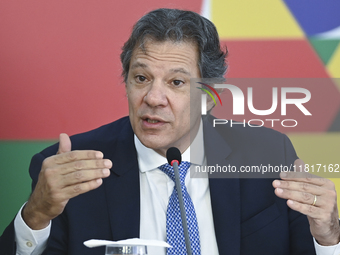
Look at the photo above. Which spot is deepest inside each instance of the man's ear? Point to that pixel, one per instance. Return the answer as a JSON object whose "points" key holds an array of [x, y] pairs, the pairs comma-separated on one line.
{"points": [[210, 101], [126, 93]]}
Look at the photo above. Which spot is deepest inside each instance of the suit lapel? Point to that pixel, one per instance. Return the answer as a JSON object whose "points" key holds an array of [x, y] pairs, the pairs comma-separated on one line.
{"points": [[122, 186], [224, 192]]}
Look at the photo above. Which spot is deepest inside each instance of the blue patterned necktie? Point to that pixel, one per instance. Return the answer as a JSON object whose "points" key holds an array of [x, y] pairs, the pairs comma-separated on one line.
{"points": [[174, 226]]}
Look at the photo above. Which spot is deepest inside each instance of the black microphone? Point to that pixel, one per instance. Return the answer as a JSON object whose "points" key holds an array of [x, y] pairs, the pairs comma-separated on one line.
{"points": [[174, 158]]}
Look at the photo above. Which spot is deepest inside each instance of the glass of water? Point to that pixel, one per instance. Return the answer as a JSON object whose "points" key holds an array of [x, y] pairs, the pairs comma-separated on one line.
{"points": [[117, 249]]}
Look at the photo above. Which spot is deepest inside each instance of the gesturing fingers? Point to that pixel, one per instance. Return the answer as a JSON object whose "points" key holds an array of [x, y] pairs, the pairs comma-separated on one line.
{"points": [[298, 186], [307, 209], [64, 143], [72, 156], [304, 177], [306, 193], [82, 176], [300, 197], [80, 188], [77, 172], [310, 195], [70, 173], [82, 165]]}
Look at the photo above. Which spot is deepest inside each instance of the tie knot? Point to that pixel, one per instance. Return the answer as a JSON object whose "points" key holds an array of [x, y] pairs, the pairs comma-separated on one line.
{"points": [[182, 168]]}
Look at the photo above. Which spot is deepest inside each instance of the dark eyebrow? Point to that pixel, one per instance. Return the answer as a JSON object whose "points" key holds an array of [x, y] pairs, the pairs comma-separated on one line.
{"points": [[176, 70], [180, 70]]}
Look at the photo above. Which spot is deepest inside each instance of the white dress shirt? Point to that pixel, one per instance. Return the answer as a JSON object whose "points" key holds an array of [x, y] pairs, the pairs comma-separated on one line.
{"points": [[155, 189]]}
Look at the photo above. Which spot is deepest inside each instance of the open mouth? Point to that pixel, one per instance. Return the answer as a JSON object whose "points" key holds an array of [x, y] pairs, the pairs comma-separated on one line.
{"points": [[152, 121]]}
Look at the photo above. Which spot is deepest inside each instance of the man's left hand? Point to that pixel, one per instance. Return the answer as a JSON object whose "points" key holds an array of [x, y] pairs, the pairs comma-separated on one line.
{"points": [[315, 197]]}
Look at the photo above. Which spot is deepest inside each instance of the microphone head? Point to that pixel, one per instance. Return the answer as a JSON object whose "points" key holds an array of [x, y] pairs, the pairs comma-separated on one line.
{"points": [[173, 154]]}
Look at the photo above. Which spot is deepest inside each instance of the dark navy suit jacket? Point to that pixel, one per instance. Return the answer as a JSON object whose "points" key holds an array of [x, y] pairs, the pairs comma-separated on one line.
{"points": [[248, 217]]}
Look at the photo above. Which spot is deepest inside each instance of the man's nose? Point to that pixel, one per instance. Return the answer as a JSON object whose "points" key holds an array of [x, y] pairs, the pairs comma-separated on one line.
{"points": [[156, 94]]}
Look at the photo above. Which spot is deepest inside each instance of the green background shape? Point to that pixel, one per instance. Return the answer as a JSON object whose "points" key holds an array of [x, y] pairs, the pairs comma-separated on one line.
{"points": [[15, 182]]}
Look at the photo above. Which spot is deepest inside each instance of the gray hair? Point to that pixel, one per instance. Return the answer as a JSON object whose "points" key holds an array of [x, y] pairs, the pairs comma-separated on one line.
{"points": [[178, 26]]}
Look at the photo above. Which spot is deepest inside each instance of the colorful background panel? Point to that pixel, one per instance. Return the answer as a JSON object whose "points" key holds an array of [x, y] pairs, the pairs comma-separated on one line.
{"points": [[60, 70], [314, 16]]}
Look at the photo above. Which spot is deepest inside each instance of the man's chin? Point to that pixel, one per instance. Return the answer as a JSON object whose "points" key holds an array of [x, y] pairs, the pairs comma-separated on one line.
{"points": [[155, 143]]}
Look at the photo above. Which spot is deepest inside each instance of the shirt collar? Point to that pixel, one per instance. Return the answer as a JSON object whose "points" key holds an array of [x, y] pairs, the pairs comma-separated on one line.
{"points": [[148, 159]]}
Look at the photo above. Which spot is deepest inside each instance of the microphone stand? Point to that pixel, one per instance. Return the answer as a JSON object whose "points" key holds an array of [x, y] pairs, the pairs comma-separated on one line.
{"points": [[181, 206]]}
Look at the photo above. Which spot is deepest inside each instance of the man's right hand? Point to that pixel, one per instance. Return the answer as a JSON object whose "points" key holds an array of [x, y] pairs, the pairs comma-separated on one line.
{"points": [[62, 177]]}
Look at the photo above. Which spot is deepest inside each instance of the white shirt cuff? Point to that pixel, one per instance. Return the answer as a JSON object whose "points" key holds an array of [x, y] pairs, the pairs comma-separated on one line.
{"points": [[29, 241], [326, 250]]}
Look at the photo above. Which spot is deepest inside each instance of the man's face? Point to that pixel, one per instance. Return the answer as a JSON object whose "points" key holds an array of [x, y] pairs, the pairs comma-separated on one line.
{"points": [[158, 90]]}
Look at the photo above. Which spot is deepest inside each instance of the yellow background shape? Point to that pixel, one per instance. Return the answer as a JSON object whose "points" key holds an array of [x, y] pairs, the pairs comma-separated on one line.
{"points": [[254, 19], [334, 64]]}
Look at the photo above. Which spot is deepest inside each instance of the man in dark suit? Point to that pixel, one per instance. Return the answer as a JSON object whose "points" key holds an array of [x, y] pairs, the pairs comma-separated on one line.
{"points": [[74, 188]]}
